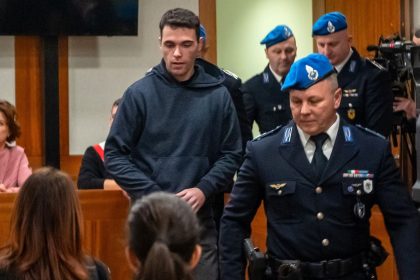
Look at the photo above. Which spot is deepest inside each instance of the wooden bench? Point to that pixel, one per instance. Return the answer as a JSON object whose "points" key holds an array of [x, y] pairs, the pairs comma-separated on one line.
{"points": [[104, 216]]}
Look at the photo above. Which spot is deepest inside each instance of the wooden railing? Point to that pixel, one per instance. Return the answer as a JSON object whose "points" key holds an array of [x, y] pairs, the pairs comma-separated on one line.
{"points": [[105, 213]]}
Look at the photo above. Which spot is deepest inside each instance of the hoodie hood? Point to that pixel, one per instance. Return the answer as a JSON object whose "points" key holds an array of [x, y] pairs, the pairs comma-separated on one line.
{"points": [[205, 75]]}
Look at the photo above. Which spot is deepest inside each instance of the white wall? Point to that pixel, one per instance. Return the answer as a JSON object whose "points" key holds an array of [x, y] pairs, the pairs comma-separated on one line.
{"points": [[7, 68], [101, 68], [416, 15], [240, 28]]}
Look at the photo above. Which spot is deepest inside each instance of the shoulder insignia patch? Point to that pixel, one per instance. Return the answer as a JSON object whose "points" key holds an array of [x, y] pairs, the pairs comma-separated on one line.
{"points": [[231, 74], [266, 78], [268, 133], [370, 131], [376, 64]]}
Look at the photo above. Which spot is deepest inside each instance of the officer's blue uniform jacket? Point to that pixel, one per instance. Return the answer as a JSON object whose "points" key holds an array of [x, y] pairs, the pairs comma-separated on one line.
{"points": [[233, 84], [366, 94], [277, 171], [265, 102]]}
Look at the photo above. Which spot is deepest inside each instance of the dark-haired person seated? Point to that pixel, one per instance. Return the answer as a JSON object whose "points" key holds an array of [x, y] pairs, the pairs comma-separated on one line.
{"points": [[45, 234], [14, 165], [92, 173], [163, 238]]}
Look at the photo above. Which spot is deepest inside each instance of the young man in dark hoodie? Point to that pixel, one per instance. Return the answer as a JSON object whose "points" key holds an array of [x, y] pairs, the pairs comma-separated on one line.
{"points": [[177, 131]]}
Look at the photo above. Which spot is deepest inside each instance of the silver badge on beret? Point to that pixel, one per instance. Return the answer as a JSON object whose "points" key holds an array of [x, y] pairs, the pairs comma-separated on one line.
{"points": [[368, 186], [287, 32], [312, 73], [330, 27]]}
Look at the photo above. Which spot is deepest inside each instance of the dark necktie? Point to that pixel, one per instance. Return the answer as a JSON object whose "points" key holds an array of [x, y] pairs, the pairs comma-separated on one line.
{"points": [[319, 161]]}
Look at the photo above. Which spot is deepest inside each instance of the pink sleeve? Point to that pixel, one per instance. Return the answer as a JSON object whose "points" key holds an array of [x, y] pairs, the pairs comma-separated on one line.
{"points": [[24, 170]]}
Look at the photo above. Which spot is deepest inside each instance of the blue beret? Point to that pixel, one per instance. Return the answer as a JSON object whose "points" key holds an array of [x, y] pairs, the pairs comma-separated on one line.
{"points": [[307, 71], [329, 23], [277, 35], [203, 33]]}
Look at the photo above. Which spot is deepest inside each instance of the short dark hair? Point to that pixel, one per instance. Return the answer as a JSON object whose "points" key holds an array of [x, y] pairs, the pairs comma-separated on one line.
{"points": [[179, 17], [163, 232], [116, 102], [9, 112]]}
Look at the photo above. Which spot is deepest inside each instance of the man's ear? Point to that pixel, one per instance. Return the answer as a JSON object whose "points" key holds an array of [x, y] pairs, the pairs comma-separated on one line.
{"points": [[350, 38], [133, 261], [201, 44], [195, 258]]}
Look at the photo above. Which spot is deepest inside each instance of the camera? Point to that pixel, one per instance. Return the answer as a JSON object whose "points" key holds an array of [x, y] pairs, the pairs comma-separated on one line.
{"points": [[394, 54]]}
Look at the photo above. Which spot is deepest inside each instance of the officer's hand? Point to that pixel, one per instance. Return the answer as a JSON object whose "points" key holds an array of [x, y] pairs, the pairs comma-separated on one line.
{"points": [[405, 104], [194, 197], [2, 188]]}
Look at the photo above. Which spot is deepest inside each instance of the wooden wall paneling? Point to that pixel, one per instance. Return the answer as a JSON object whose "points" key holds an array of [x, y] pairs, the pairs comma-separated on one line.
{"points": [[407, 19], [207, 13], [29, 97], [318, 9], [368, 20]]}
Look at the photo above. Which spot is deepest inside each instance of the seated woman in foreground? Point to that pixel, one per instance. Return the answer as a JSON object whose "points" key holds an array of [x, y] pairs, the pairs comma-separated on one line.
{"points": [[45, 240], [14, 165], [163, 235]]}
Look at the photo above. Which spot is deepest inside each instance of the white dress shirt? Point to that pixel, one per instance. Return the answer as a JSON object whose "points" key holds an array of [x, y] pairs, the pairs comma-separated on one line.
{"points": [[309, 145]]}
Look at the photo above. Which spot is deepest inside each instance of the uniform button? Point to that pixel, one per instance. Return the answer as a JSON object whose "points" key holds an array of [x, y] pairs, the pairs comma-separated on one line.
{"points": [[318, 190], [325, 242], [359, 192], [279, 192], [320, 216]]}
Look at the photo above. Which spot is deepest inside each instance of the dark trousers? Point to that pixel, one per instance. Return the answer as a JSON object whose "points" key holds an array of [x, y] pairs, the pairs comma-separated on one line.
{"points": [[208, 266]]}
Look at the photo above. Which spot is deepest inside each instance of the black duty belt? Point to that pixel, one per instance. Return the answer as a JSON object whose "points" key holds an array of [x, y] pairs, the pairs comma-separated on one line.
{"points": [[327, 268]]}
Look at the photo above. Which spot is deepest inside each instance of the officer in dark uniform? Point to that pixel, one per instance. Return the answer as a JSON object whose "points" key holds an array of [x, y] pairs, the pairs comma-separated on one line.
{"points": [[264, 100], [366, 86], [319, 178], [233, 84]]}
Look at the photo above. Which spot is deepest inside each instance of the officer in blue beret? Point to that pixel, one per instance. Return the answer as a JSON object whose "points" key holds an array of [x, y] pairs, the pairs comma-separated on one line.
{"points": [[265, 102], [319, 177], [366, 86], [233, 84]]}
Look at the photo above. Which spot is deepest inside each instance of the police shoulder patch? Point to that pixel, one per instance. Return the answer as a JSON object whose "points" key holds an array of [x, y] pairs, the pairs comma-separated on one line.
{"points": [[376, 64], [370, 131], [268, 133], [233, 75]]}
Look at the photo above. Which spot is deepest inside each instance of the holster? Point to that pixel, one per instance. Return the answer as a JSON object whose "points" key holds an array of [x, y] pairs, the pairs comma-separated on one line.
{"points": [[377, 253]]}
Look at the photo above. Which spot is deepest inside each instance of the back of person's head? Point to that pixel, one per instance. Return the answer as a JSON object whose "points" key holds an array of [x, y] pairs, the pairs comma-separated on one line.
{"points": [[163, 235], [45, 235], [179, 17], [9, 112]]}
